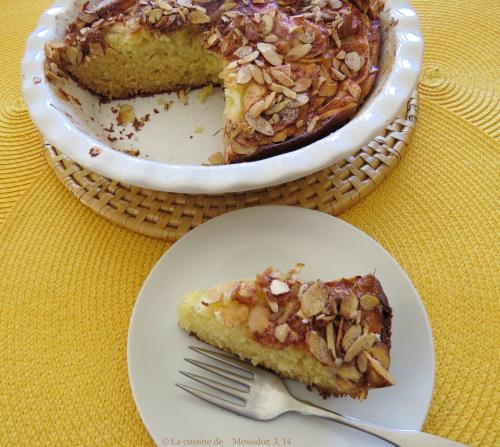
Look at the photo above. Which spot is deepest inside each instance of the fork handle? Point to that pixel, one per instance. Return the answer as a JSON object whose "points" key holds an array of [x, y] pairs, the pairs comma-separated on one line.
{"points": [[398, 438]]}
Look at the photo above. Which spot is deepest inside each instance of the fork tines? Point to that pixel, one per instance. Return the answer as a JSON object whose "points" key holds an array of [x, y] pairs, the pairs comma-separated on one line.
{"points": [[242, 376]]}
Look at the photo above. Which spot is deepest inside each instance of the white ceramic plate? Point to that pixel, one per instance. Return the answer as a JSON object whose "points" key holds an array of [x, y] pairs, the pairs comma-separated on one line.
{"points": [[239, 245], [172, 152]]}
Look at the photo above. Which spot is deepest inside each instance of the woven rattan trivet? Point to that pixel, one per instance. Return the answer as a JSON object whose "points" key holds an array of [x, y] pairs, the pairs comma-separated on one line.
{"points": [[171, 215]]}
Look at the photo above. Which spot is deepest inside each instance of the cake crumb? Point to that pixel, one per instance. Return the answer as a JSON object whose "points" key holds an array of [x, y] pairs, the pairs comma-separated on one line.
{"points": [[205, 92], [216, 158], [183, 97], [126, 114], [198, 129]]}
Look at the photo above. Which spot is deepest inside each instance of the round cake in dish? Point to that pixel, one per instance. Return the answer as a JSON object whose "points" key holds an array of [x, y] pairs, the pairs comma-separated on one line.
{"points": [[292, 71]]}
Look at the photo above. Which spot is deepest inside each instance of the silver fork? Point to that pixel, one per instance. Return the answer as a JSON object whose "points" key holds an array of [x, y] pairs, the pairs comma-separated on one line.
{"points": [[262, 395]]}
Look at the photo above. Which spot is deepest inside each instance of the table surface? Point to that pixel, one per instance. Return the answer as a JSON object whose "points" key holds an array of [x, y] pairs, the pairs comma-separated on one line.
{"points": [[69, 279]]}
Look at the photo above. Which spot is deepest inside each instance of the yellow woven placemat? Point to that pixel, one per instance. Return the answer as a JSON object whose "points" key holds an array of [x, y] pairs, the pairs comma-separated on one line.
{"points": [[68, 278]]}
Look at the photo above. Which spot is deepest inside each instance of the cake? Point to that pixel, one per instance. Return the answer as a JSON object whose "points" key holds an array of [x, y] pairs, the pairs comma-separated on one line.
{"points": [[334, 336], [293, 71]]}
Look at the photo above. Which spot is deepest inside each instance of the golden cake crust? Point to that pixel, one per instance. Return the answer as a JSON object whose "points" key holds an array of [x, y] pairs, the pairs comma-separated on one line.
{"points": [[294, 70]]}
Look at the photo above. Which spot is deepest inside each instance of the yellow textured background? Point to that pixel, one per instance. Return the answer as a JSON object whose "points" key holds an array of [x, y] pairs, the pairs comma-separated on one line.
{"points": [[68, 279]]}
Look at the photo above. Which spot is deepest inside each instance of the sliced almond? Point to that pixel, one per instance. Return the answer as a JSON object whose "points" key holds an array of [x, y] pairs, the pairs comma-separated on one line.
{"points": [[339, 334], [354, 61], [282, 89], [299, 51], [319, 348], [249, 58], [269, 52], [354, 89], [268, 100], [260, 125], [363, 343], [243, 51], [258, 319], [245, 74], [279, 287], [328, 89], [377, 375], [281, 332], [369, 302], [267, 23], [302, 84], [349, 306], [314, 299], [362, 363], [257, 75], [197, 17], [312, 124], [281, 77], [349, 372], [330, 338], [253, 93], [350, 336], [380, 351], [257, 108], [271, 38]]}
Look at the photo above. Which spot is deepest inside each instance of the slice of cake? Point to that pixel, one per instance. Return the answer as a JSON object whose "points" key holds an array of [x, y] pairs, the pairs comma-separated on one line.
{"points": [[334, 336], [293, 70]]}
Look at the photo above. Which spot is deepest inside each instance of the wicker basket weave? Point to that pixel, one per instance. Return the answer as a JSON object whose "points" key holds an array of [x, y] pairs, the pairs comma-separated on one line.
{"points": [[171, 215]]}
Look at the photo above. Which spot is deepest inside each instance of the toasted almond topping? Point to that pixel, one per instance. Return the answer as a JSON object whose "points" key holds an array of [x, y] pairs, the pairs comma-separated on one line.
{"points": [[377, 375], [319, 348], [363, 343], [257, 75], [258, 319], [244, 74], [281, 77], [349, 372], [249, 58], [308, 36], [381, 352], [335, 4], [267, 23], [214, 37], [281, 332], [328, 89], [338, 75], [350, 336], [362, 363], [354, 61], [279, 287], [349, 306], [354, 89], [369, 302], [268, 100], [243, 51], [269, 52], [312, 124], [330, 338], [341, 55], [302, 84], [313, 299], [299, 51], [271, 38], [282, 89], [197, 17], [260, 125]]}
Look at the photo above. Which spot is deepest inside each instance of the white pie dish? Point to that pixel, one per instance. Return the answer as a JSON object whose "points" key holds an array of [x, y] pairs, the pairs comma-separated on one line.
{"points": [[172, 152]]}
